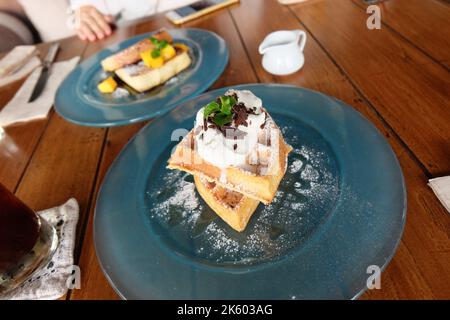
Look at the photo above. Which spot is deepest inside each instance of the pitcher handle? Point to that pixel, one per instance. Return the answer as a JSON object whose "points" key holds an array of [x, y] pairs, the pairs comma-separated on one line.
{"points": [[301, 39]]}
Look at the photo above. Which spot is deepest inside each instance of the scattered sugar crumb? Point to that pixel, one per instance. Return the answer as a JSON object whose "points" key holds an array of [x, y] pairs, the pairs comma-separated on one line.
{"points": [[310, 174], [120, 93], [184, 198], [219, 239], [296, 166]]}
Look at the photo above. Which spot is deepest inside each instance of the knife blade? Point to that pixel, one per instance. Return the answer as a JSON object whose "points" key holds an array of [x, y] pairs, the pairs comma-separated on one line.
{"points": [[43, 77]]}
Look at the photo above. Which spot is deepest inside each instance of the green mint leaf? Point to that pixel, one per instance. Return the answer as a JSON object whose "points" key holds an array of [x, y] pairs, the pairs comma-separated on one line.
{"points": [[154, 41], [226, 109], [162, 44], [222, 119], [227, 103], [156, 53], [220, 112], [223, 100], [232, 101], [210, 108]]}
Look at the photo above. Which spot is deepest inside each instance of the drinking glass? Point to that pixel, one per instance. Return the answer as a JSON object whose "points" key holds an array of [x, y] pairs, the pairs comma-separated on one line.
{"points": [[27, 241]]}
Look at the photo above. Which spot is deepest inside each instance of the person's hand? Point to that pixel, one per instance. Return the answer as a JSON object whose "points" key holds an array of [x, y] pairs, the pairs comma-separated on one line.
{"points": [[92, 24]]}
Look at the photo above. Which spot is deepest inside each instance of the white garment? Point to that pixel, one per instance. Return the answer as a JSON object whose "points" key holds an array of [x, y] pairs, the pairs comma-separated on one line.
{"points": [[49, 17], [132, 9]]}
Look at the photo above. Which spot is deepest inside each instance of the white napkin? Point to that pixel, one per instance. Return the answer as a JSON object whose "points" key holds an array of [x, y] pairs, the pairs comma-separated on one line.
{"points": [[19, 110], [16, 59], [51, 281], [441, 188], [25, 70]]}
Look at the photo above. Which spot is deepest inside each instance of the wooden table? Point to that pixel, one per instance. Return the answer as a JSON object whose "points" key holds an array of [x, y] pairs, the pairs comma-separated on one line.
{"points": [[398, 77]]}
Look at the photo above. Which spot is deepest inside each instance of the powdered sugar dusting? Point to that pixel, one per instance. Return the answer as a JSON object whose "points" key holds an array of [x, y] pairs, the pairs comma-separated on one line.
{"points": [[219, 240], [304, 198], [184, 198]]}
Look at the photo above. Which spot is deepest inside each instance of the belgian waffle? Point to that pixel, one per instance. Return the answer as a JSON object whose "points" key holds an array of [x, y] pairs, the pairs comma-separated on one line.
{"points": [[233, 173], [259, 181], [233, 207]]}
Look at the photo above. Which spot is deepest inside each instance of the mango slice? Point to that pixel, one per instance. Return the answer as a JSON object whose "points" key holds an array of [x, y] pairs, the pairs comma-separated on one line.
{"points": [[108, 85], [151, 62], [168, 52]]}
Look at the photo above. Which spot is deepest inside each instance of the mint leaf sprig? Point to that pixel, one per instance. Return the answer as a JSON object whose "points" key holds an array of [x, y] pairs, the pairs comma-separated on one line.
{"points": [[219, 112], [159, 44]]}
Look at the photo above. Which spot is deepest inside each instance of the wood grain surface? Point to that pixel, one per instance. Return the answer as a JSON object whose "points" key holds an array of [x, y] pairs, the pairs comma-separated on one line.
{"points": [[397, 77]]}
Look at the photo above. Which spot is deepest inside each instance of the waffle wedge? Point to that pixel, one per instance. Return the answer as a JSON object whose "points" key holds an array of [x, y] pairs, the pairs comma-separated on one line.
{"points": [[233, 207], [260, 182]]}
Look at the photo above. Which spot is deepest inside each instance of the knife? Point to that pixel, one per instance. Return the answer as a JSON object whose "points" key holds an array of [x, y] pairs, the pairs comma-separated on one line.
{"points": [[40, 84]]}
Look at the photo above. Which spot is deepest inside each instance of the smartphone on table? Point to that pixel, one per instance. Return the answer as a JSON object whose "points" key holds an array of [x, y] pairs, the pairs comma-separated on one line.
{"points": [[196, 10]]}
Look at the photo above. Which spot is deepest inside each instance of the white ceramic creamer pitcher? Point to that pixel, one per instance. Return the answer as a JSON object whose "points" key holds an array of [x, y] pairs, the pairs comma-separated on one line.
{"points": [[283, 51]]}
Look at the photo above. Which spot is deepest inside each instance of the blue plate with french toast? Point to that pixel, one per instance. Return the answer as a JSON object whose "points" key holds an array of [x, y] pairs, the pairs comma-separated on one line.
{"points": [[142, 77]]}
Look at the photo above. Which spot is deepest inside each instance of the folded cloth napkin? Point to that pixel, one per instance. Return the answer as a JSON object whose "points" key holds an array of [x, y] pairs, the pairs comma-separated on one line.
{"points": [[15, 59], [441, 187], [50, 282], [18, 63], [19, 109]]}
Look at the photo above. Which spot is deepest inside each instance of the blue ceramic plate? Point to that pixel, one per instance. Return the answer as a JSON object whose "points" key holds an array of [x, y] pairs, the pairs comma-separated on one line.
{"points": [[79, 101], [339, 210]]}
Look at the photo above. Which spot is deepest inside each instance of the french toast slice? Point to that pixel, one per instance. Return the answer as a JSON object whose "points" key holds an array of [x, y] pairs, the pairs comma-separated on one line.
{"points": [[233, 207], [142, 78], [131, 54]]}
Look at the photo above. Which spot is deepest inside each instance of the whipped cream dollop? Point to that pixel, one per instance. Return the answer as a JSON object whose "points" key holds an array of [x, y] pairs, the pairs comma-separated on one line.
{"points": [[239, 143]]}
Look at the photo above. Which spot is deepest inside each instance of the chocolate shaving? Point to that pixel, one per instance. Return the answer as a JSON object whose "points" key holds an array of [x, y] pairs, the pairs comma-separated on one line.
{"points": [[240, 115], [265, 119]]}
